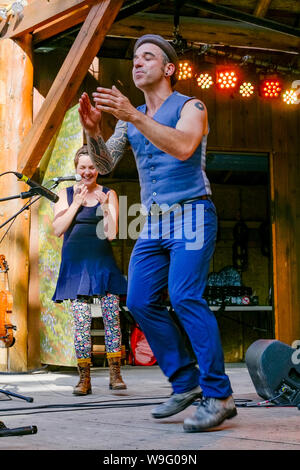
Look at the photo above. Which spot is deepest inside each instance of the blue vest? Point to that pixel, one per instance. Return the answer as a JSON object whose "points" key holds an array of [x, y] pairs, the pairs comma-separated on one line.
{"points": [[163, 178]]}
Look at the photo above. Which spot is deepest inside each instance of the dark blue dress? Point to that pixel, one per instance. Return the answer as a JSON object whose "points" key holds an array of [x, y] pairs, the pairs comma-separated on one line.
{"points": [[88, 267]]}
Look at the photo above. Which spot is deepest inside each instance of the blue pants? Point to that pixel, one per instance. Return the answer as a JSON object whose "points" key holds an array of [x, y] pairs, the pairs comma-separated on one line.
{"points": [[174, 250]]}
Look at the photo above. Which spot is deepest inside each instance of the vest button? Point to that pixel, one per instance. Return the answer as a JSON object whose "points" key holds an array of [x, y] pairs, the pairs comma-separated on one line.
{"points": [[153, 181], [152, 168], [154, 194]]}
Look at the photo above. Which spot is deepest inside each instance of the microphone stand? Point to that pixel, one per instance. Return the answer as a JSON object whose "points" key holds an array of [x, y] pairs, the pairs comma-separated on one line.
{"points": [[24, 195], [4, 431], [22, 397]]}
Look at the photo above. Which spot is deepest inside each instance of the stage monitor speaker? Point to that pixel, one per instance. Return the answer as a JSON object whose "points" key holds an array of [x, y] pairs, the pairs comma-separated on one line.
{"points": [[274, 368]]}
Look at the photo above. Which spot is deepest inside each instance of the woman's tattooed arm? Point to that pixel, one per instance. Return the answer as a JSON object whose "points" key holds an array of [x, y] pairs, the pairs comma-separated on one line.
{"points": [[105, 156]]}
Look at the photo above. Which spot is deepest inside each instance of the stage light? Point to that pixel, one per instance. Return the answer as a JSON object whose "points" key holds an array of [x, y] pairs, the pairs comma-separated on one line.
{"points": [[204, 80], [290, 97], [227, 79], [246, 89], [185, 70], [271, 88], [17, 7], [3, 14]]}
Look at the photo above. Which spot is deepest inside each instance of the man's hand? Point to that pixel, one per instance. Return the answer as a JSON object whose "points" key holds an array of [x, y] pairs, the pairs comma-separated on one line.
{"points": [[89, 116], [114, 102]]}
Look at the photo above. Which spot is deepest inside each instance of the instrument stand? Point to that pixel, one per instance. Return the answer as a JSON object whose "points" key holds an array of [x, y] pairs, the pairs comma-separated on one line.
{"points": [[5, 432], [11, 394]]}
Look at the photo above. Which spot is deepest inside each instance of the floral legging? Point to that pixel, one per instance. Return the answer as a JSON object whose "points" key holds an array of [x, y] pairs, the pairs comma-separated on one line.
{"points": [[81, 310]]}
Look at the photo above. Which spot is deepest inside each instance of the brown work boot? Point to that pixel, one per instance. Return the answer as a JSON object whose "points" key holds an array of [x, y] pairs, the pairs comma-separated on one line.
{"points": [[84, 385], [115, 378]]}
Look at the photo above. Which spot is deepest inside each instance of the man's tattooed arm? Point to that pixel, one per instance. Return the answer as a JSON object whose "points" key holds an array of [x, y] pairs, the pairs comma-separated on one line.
{"points": [[105, 156]]}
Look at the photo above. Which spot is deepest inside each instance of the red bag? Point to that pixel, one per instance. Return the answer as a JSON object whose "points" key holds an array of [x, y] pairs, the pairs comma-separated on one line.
{"points": [[141, 354]]}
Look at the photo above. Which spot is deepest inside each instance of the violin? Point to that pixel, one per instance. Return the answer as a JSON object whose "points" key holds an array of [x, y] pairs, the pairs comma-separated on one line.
{"points": [[6, 303]]}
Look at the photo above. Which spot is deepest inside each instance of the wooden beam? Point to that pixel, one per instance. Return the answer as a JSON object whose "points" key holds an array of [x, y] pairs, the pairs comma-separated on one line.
{"points": [[67, 82], [36, 14], [244, 17], [76, 17], [61, 24], [291, 6], [205, 31], [261, 8]]}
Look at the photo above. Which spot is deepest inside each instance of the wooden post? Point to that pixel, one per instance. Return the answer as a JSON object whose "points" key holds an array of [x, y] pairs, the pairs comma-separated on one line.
{"points": [[16, 82]]}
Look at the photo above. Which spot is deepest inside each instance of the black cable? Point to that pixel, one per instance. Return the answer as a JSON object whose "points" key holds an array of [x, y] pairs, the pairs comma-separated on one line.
{"points": [[85, 404], [108, 404], [80, 406], [100, 407], [267, 403], [7, 172]]}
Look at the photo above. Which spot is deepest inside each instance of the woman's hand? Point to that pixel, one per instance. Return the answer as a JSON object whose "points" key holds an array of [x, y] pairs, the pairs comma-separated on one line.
{"points": [[101, 196], [110, 208], [80, 193]]}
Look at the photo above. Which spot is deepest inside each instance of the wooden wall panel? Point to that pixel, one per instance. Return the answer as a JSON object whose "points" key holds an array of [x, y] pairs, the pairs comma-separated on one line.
{"points": [[286, 202], [16, 81]]}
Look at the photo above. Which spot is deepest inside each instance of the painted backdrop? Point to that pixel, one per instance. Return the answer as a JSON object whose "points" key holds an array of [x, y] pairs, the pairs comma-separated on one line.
{"points": [[57, 347]]}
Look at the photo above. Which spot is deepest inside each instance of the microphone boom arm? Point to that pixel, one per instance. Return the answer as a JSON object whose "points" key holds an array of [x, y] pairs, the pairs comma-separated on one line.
{"points": [[26, 206]]}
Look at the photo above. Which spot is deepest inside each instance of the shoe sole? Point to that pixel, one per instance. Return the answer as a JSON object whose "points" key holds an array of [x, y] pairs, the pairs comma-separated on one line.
{"points": [[81, 393], [117, 387], [178, 410], [197, 428]]}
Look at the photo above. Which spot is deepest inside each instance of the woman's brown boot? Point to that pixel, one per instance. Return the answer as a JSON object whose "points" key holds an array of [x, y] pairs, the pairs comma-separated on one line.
{"points": [[84, 385], [116, 381]]}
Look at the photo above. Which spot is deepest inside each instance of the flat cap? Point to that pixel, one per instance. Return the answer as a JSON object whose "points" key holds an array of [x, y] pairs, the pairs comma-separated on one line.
{"points": [[160, 42]]}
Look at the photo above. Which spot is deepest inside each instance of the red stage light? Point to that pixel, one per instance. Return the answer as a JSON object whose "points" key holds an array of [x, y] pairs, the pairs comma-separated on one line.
{"points": [[271, 88]]}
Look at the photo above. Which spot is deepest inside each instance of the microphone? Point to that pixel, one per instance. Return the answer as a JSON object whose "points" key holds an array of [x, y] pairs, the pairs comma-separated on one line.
{"points": [[58, 179], [37, 187]]}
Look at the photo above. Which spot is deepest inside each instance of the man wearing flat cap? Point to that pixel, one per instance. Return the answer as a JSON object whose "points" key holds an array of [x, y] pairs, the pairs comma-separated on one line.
{"points": [[168, 137]]}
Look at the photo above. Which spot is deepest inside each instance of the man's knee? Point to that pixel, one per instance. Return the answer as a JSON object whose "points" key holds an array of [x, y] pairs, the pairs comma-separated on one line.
{"points": [[182, 301], [136, 303]]}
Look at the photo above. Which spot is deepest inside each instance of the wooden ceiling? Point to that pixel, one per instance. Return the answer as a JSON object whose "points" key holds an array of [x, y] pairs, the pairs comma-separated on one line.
{"points": [[267, 30], [264, 29]]}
